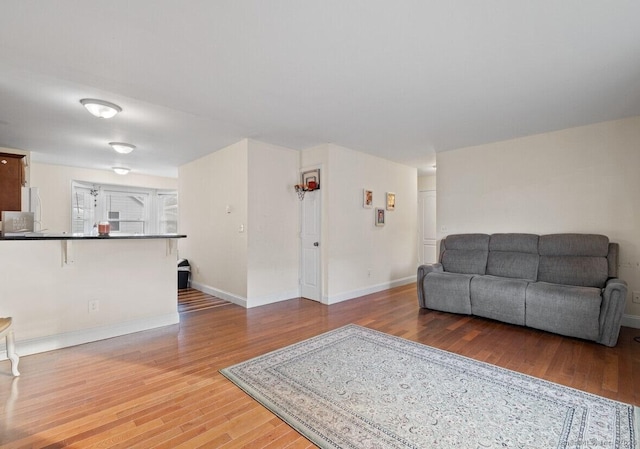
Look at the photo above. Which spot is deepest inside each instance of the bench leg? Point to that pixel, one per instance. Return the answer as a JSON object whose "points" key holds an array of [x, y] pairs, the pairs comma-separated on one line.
{"points": [[11, 354]]}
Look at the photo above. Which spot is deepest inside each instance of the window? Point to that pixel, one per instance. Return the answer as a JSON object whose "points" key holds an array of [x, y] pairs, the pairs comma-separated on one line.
{"points": [[168, 209], [130, 210]]}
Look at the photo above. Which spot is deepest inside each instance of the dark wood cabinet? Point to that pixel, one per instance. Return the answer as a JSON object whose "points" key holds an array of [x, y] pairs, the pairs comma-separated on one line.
{"points": [[12, 178]]}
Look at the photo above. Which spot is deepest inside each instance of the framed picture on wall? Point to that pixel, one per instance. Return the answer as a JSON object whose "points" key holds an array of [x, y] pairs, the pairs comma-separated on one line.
{"points": [[391, 201], [379, 216], [367, 198]]}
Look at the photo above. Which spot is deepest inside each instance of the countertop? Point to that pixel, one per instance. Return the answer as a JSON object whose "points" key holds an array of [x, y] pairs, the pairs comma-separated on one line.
{"points": [[69, 236]]}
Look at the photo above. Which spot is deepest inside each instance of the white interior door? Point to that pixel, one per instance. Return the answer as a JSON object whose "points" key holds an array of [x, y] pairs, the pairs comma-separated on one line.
{"points": [[310, 278], [427, 227]]}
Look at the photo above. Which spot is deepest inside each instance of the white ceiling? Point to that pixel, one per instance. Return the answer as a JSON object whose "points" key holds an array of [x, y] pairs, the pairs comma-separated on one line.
{"points": [[397, 79]]}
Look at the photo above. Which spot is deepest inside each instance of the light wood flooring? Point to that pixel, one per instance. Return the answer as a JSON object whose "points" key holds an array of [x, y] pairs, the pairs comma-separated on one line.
{"points": [[161, 388]]}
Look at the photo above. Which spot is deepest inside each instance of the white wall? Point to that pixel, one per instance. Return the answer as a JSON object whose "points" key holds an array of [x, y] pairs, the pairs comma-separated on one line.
{"points": [[261, 264], [54, 182], [240, 213], [427, 182], [583, 180], [273, 224], [213, 195], [358, 257]]}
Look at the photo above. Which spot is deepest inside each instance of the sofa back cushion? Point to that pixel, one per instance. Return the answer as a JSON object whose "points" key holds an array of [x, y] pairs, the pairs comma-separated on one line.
{"points": [[574, 259], [465, 253], [513, 256]]}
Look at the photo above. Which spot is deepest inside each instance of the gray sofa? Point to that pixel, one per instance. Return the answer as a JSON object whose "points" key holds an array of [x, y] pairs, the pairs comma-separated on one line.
{"points": [[561, 283]]}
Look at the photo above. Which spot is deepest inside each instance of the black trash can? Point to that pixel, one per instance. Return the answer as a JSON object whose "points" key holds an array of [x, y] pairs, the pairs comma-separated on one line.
{"points": [[184, 269]]}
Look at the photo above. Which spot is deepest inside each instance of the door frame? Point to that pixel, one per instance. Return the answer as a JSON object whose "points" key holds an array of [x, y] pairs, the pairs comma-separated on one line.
{"points": [[301, 266], [422, 194]]}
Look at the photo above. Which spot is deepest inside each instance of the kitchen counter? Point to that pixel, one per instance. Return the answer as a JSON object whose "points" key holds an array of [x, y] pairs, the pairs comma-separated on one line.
{"points": [[67, 236], [68, 289]]}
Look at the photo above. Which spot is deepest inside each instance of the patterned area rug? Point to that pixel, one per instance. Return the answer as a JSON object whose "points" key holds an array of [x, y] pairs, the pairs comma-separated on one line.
{"points": [[359, 388]]}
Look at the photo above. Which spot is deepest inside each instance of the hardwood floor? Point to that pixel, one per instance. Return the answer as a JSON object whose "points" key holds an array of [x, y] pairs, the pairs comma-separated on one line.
{"points": [[161, 388], [192, 300]]}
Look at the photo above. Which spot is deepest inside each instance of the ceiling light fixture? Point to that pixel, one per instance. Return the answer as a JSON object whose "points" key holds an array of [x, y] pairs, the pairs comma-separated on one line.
{"points": [[121, 170], [121, 147], [100, 108]]}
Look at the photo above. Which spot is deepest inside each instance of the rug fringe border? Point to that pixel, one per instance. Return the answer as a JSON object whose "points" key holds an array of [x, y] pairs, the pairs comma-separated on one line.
{"points": [[636, 426], [285, 417]]}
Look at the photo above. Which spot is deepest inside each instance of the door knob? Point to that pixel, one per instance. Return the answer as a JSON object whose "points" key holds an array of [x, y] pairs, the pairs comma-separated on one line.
{"points": [[316, 243]]}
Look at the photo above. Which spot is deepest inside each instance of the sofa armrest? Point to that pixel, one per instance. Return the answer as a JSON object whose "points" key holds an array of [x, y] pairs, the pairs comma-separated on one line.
{"points": [[614, 299], [423, 270]]}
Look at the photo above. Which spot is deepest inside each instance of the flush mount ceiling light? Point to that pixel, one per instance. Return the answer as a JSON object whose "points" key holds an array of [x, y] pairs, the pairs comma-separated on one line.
{"points": [[100, 108], [121, 170], [121, 147]]}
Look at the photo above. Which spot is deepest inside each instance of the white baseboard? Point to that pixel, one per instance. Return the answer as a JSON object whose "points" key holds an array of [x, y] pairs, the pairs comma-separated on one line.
{"points": [[367, 290], [64, 340], [239, 300], [270, 299], [631, 321]]}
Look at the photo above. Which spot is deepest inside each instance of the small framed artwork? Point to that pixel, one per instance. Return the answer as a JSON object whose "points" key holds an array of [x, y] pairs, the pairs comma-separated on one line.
{"points": [[379, 216], [367, 198], [391, 201], [311, 179]]}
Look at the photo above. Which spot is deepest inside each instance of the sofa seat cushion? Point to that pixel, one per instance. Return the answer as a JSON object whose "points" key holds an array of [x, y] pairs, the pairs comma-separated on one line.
{"points": [[448, 292], [499, 298], [563, 309]]}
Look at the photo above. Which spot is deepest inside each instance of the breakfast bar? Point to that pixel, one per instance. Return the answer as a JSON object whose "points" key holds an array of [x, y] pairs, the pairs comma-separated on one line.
{"points": [[67, 289]]}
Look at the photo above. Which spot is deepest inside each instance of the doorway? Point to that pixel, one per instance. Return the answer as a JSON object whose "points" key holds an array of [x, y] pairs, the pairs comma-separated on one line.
{"points": [[427, 252], [310, 251]]}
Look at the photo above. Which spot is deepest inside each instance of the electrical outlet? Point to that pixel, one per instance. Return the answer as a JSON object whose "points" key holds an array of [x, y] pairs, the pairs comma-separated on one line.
{"points": [[94, 306], [636, 297]]}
